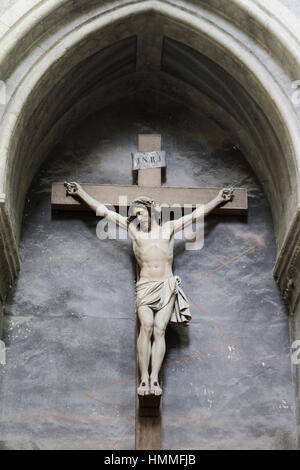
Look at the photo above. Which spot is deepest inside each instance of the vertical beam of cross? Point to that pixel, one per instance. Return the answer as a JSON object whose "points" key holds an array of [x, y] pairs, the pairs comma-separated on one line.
{"points": [[148, 427]]}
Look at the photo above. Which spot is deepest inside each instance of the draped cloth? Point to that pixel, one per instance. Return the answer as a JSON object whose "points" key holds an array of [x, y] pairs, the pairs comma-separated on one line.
{"points": [[158, 294]]}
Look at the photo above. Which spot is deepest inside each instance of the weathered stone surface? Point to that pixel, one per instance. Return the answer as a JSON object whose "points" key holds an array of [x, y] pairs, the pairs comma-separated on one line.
{"points": [[53, 63], [69, 331]]}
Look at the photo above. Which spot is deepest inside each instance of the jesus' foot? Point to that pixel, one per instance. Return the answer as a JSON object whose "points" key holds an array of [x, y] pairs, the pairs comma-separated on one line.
{"points": [[144, 388], [155, 389]]}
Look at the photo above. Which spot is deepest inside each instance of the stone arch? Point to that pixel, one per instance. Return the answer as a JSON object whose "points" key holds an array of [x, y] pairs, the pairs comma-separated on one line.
{"points": [[135, 46]]}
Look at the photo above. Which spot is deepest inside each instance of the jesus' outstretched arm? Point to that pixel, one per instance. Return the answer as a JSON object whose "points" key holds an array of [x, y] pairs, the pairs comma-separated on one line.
{"points": [[75, 190], [224, 196]]}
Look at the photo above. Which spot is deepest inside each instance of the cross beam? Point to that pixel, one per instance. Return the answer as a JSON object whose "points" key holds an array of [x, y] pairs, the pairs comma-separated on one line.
{"points": [[110, 194]]}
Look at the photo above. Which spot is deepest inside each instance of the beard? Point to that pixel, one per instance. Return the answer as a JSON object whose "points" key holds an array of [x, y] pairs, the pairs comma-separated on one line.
{"points": [[145, 226]]}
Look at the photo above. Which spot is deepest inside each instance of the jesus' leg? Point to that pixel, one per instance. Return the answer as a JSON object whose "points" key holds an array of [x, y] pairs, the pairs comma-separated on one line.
{"points": [[161, 320], [145, 315]]}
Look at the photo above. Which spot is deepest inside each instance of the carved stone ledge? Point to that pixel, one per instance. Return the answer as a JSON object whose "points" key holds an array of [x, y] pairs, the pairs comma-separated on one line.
{"points": [[287, 268], [9, 258]]}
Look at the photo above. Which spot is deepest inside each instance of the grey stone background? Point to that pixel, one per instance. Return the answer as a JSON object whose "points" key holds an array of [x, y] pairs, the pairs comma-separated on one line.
{"points": [[70, 321]]}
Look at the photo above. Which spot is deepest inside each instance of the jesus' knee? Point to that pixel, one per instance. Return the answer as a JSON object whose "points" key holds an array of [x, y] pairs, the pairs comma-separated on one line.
{"points": [[147, 329], [159, 331]]}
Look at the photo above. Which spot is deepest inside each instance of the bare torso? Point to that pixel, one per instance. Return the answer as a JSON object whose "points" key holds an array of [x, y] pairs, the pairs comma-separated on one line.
{"points": [[154, 252]]}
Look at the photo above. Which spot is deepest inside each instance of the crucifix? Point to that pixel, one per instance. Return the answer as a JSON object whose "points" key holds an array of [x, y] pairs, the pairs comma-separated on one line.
{"points": [[159, 298]]}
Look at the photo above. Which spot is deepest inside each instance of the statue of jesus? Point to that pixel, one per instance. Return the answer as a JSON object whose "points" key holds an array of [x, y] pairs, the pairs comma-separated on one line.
{"points": [[159, 299]]}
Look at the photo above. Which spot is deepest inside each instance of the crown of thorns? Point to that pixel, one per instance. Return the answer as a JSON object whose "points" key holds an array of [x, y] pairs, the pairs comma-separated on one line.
{"points": [[144, 200]]}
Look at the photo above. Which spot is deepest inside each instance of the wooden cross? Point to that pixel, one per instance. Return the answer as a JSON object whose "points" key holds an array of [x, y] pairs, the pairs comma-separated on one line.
{"points": [[149, 162]]}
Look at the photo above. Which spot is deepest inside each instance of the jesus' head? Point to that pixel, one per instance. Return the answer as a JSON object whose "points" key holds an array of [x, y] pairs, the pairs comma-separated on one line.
{"points": [[143, 210]]}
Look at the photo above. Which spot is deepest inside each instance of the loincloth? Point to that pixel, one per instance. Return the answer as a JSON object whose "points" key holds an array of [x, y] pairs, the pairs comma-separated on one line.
{"points": [[157, 294]]}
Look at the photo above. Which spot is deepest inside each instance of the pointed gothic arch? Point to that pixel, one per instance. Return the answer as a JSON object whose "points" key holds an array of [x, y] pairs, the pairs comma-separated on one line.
{"points": [[61, 62]]}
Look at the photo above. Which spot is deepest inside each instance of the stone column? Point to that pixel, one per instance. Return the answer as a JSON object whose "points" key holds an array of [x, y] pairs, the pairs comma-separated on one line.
{"points": [[9, 258], [287, 275]]}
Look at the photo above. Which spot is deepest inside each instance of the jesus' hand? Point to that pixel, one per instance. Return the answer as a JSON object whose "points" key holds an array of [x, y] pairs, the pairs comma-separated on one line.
{"points": [[72, 189], [225, 195]]}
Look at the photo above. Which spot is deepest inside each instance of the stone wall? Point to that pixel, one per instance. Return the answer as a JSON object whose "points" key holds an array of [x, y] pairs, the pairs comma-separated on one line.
{"points": [[69, 381], [62, 60]]}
